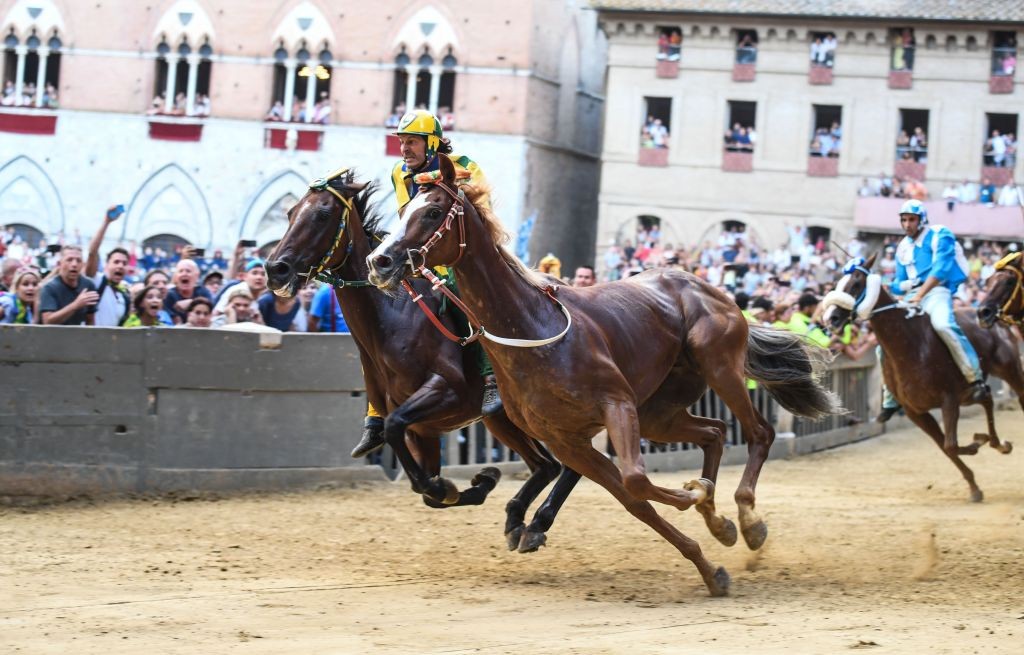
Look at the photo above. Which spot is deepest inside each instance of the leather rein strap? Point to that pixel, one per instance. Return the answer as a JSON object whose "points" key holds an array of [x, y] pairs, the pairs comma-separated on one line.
{"points": [[476, 328]]}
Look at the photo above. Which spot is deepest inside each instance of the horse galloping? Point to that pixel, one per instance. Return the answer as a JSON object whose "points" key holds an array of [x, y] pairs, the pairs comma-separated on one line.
{"points": [[911, 347], [638, 354], [423, 380]]}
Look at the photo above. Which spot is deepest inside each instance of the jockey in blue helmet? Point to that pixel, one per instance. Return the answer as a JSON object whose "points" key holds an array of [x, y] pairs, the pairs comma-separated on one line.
{"points": [[930, 266]]}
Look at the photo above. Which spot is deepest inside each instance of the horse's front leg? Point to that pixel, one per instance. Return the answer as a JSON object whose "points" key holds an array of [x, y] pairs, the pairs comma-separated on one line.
{"points": [[950, 418]]}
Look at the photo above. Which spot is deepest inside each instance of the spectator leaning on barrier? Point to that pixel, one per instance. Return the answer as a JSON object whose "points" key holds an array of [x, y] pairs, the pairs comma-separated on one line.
{"points": [[186, 288], [325, 312], [114, 305], [18, 305], [200, 312], [238, 307], [278, 312], [68, 298], [149, 312]]}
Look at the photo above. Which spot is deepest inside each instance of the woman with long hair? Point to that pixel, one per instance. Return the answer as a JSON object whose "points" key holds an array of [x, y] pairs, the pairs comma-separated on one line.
{"points": [[19, 305], [149, 309]]}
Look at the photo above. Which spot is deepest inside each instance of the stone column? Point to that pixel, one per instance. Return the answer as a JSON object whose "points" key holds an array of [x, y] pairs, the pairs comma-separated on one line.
{"points": [[289, 88], [410, 89], [190, 91], [19, 84], [44, 54], [435, 88], [172, 82], [310, 90]]}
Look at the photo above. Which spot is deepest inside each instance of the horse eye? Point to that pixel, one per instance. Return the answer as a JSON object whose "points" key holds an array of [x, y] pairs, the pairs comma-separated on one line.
{"points": [[434, 213]]}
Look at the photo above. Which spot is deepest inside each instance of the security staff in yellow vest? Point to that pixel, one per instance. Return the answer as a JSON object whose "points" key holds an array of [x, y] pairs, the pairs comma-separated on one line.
{"points": [[421, 138]]}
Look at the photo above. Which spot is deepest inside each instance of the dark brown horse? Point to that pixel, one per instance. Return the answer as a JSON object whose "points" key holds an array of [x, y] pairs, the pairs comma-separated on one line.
{"points": [[918, 367], [425, 382], [1004, 293], [637, 355]]}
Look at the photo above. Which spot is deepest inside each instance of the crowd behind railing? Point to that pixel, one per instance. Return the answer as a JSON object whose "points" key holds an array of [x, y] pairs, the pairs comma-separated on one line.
{"points": [[27, 98], [965, 193], [66, 283]]}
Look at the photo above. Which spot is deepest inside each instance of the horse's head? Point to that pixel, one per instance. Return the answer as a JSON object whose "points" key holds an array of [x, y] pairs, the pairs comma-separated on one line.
{"points": [[424, 235], [1004, 296], [855, 293], [316, 239]]}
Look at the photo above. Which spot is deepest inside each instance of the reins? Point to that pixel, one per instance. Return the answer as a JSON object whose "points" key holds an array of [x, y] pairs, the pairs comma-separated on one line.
{"points": [[477, 330]]}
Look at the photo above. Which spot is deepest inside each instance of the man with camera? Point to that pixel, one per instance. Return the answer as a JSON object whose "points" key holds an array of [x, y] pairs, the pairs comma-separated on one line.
{"points": [[114, 304]]}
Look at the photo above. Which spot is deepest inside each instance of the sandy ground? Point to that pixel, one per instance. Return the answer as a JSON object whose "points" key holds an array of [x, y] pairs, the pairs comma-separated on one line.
{"points": [[873, 547]]}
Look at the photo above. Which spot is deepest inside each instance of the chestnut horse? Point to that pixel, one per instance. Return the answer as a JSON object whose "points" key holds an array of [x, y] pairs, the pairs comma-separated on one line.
{"points": [[918, 367], [428, 385], [1004, 294], [629, 356]]}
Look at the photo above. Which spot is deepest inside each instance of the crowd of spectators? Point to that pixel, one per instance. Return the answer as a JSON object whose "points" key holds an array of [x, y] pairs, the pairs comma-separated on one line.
{"points": [[893, 186], [783, 286], [823, 50], [670, 43], [965, 193], [320, 113], [200, 107], [903, 45], [28, 96], [66, 283], [740, 138], [1001, 150], [826, 141], [912, 146], [654, 134]]}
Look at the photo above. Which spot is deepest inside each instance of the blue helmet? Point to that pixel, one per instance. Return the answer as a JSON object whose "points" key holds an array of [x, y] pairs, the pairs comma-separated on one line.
{"points": [[915, 207]]}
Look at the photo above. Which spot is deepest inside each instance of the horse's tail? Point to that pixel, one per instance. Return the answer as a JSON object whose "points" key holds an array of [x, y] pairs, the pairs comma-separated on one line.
{"points": [[790, 368]]}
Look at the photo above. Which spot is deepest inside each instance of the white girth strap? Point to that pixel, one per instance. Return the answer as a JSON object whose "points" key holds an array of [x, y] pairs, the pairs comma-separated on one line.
{"points": [[531, 343]]}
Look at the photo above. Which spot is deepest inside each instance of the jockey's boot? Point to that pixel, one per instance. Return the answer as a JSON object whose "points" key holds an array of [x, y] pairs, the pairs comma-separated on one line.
{"points": [[492, 399], [886, 414], [979, 391], [372, 439]]}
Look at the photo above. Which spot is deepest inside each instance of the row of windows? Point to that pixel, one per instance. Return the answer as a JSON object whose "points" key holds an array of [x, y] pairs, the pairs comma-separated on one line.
{"points": [[825, 132], [824, 47]]}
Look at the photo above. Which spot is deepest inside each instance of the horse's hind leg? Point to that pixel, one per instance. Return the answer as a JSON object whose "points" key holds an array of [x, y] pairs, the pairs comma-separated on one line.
{"points": [[709, 435], [932, 429], [992, 438], [724, 374], [543, 469], [598, 468]]}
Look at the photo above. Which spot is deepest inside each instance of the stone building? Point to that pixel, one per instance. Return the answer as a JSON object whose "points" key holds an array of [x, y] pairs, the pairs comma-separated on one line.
{"points": [[771, 112], [162, 105]]}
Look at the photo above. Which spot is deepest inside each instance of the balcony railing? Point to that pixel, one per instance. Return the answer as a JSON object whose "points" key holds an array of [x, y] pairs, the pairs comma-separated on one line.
{"points": [[175, 128], [293, 136], [973, 220]]}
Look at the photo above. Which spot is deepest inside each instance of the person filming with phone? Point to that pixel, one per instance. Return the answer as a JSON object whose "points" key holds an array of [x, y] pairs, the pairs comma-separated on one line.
{"points": [[115, 303]]}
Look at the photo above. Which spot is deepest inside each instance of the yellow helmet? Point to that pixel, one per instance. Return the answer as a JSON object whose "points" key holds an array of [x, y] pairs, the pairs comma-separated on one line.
{"points": [[425, 124]]}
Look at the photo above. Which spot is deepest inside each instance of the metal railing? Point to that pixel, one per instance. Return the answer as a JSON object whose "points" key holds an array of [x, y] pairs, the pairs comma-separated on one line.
{"points": [[474, 446]]}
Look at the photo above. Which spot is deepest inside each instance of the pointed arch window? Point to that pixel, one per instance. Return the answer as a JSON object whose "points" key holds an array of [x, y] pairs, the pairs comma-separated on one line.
{"points": [[424, 85], [302, 85], [31, 70], [182, 83]]}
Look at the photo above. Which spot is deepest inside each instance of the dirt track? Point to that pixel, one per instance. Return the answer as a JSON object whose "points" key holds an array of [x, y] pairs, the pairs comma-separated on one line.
{"points": [[850, 563]]}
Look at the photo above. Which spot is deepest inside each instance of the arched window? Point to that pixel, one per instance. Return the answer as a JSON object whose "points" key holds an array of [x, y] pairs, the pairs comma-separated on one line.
{"points": [[32, 55], [425, 66], [302, 67], [183, 67]]}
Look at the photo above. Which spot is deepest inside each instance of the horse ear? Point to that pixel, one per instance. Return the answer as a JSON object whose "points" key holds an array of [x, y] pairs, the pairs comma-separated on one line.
{"points": [[447, 169], [870, 263]]}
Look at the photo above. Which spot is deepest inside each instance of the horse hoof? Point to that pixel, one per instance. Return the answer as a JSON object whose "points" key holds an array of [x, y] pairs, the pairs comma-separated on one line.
{"points": [[487, 478], [1005, 448], [727, 534], [430, 502], [719, 584], [977, 496], [755, 534], [703, 488], [513, 536], [532, 541], [448, 493]]}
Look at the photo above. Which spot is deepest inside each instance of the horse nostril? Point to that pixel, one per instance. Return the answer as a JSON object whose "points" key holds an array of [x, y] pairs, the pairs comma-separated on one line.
{"points": [[382, 262], [279, 269]]}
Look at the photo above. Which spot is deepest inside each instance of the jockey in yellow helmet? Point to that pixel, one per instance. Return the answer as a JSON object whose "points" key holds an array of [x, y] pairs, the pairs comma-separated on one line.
{"points": [[422, 139]]}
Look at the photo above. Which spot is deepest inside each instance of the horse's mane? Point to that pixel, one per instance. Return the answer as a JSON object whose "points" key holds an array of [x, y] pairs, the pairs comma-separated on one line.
{"points": [[475, 194], [371, 214]]}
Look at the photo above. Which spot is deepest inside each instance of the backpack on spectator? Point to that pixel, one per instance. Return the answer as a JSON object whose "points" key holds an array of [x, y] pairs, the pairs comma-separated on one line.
{"points": [[124, 294]]}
